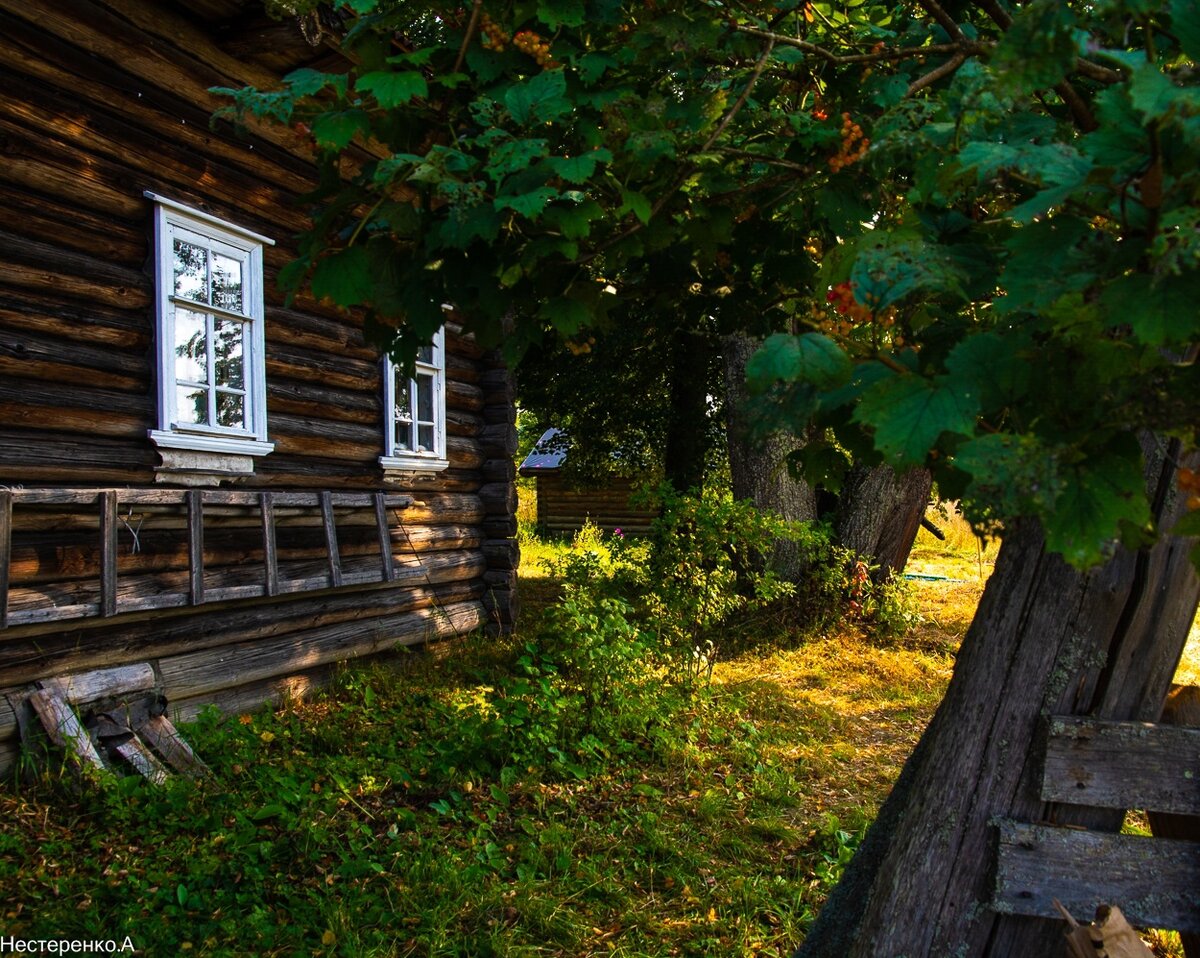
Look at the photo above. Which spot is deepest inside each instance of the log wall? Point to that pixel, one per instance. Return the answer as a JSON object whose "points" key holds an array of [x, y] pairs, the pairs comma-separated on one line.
{"points": [[102, 101], [563, 509]]}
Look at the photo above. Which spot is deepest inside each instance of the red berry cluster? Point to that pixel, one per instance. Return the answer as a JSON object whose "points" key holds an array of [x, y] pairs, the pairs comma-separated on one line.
{"points": [[851, 313], [853, 148], [530, 43], [493, 36]]}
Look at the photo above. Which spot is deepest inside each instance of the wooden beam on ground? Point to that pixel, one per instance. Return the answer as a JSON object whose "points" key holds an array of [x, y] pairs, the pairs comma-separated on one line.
{"points": [[1155, 880], [1122, 765], [331, 543], [65, 730], [162, 736], [143, 760], [385, 537], [101, 683]]}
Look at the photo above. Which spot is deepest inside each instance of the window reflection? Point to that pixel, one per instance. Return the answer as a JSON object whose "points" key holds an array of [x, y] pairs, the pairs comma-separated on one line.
{"points": [[191, 271]]}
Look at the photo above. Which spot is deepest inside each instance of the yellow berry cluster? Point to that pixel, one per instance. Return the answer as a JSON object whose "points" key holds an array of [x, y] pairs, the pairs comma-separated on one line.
{"points": [[530, 43], [492, 35], [1189, 482], [853, 148]]}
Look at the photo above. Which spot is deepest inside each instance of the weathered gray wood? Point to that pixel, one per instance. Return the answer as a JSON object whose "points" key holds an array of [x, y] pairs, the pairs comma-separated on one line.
{"points": [[143, 761], [270, 557], [108, 553], [65, 730], [101, 683], [331, 540], [385, 537], [195, 501], [5, 552], [1156, 881], [1122, 765], [165, 739]]}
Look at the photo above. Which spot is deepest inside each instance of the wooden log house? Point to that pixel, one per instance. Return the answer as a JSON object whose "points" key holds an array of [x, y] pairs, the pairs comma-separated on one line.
{"points": [[192, 475]]}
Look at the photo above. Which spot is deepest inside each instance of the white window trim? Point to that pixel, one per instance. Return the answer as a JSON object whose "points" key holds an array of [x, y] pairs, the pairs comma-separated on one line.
{"points": [[404, 460], [251, 441]]}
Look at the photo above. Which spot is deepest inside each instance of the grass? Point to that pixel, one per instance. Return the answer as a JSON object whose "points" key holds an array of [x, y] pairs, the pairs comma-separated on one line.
{"points": [[377, 820]]}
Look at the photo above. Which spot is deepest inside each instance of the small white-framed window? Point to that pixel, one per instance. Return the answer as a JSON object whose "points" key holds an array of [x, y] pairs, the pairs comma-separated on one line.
{"points": [[415, 411], [212, 393]]}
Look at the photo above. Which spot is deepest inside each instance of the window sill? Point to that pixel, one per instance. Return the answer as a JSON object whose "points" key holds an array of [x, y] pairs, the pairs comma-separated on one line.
{"points": [[205, 461], [221, 445], [401, 468]]}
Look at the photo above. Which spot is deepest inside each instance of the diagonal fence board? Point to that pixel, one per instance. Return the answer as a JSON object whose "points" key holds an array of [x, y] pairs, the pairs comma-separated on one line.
{"points": [[1122, 765], [1156, 881]]}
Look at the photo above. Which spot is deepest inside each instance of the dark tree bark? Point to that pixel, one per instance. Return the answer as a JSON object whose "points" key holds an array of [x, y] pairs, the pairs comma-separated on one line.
{"points": [[1046, 640], [756, 467], [686, 444], [879, 513]]}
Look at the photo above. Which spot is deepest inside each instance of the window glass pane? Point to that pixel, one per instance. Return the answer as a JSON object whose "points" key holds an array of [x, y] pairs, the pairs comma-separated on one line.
{"points": [[403, 437], [191, 347], [227, 282], [424, 398], [191, 405], [403, 410], [227, 353], [231, 410], [425, 437], [425, 354], [191, 271]]}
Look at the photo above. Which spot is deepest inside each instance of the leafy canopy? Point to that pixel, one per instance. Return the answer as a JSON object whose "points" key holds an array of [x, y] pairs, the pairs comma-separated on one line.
{"points": [[976, 223]]}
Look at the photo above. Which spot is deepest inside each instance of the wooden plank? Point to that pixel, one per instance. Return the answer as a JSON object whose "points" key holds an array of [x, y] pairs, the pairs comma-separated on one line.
{"points": [[143, 761], [6, 500], [195, 500], [1156, 881], [165, 739], [1122, 765], [331, 543], [385, 537], [270, 556], [65, 730], [108, 553], [101, 683]]}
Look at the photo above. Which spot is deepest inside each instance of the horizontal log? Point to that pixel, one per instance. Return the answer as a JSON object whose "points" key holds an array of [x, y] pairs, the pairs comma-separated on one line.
{"points": [[8, 717], [464, 396], [325, 369], [45, 171], [245, 699], [464, 453], [1155, 881], [342, 335], [499, 470], [1122, 765], [32, 457], [459, 423], [499, 498], [51, 317], [70, 225], [499, 440], [462, 369], [202, 673], [211, 497], [500, 527], [30, 653], [498, 387], [502, 553], [101, 683], [31, 264]]}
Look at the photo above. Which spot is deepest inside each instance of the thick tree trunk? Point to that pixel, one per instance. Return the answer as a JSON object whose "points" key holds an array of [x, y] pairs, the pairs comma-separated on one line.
{"points": [[1045, 640], [879, 514], [757, 467]]}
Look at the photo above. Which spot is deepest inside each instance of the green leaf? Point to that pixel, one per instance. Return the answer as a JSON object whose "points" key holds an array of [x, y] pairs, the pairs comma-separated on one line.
{"points": [[574, 222], [566, 315], [1098, 495], [787, 54], [528, 204], [910, 413], [1185, 24], [181, 895], [306, 82], [1161, 313], [809, 358], [539, 98], [336, 130], [578, 169], [592, 66], [637, 203], [561, 13], [344, 277], [997, 366], [393, 89]]}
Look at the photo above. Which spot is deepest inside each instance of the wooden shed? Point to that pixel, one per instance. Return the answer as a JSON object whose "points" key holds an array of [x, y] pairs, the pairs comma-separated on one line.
{"points": [[563, 507], [192, 475]]}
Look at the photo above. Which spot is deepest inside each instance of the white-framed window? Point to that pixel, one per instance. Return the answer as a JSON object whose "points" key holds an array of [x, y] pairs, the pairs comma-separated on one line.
{"points": [[212, 391], [415, 411]]}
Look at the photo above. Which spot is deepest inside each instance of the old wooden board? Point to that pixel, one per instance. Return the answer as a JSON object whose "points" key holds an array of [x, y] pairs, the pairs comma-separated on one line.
{"points": [[102, 683], [142, 760], [165, 739], [1155, 881], [65, 730], [1123, 765]]}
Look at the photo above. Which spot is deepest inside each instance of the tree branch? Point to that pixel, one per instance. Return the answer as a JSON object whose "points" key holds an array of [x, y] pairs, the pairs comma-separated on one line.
{"points": [[945, 21], [936, 74], [964, 46], [471, 24], [741, 100]]}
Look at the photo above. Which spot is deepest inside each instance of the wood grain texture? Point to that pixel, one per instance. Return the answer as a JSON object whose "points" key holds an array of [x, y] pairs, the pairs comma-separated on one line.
{"points": [[1156, 881]]}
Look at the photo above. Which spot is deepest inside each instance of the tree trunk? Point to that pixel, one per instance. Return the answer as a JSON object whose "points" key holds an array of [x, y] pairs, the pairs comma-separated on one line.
{"points": [[757, 467], [879, 514], [1046, 640]]}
